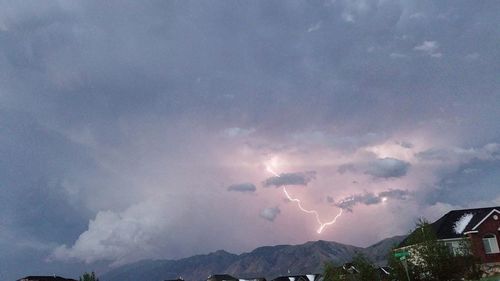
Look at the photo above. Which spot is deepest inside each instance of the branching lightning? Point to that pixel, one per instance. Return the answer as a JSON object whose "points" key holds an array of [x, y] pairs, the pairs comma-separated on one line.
{"points": [[322, 225]]}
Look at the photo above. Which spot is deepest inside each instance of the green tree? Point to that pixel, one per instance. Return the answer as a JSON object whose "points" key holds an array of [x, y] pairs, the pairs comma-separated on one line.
{"points": [[367, 271], [89, 277], [431, 260], [332, 272]]}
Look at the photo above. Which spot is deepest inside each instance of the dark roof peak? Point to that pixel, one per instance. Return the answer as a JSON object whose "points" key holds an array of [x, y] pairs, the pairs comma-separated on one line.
{"points": [[455, 223], [447, 226], [221, 277], [45, 278], [474, 209]]}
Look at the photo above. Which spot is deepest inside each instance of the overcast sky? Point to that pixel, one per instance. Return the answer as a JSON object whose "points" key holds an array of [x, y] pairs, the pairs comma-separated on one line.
{"points": [[163, 129]]}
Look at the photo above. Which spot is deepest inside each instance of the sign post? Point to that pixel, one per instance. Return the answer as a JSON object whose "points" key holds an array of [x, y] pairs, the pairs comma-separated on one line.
{"points": [[402, 257]]}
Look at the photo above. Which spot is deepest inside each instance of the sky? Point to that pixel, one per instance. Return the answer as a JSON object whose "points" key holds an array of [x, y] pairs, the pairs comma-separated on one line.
{"points": [[137, 130]]}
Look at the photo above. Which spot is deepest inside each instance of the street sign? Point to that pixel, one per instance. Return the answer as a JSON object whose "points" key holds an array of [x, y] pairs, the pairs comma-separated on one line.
{"points": [[401, 254], [405, 265], [402, 257]]}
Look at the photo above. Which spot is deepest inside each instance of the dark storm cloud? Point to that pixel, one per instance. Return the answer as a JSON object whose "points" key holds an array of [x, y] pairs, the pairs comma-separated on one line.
{"points": [[369, 198], [89, 50], [387, 168], [490, 151], [436, 154], [33, 163], [405, 144], [456, 187], [378, 168], [242, 187], [80, 78], [37, 211], [301, 178], [398, 194], [366, 198]]}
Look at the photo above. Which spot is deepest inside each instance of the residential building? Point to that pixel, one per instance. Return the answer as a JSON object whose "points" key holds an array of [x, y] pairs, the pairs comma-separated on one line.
{"points": [[222, 277], [307, 277], [481, 227], [45, 278]]}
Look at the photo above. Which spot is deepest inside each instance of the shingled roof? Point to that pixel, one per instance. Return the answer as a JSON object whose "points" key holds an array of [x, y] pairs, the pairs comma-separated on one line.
{"points": [[308, 277], [446, 226], [45, 278], [221, 277], [456, 223]]}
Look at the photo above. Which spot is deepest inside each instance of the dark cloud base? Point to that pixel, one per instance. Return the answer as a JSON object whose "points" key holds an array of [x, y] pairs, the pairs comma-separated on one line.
{"points": [[301, 178]]}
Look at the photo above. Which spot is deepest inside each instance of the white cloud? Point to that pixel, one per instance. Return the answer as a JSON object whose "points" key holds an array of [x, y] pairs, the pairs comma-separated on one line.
{"points": [[427, 46], [270, 214], [238, 132], [430, 48], [397, 56], [119, 236], [314, 27]]}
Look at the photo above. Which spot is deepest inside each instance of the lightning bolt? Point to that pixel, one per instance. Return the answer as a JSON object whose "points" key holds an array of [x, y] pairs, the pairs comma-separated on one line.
{"points": [[270, 170], [322, 225]]}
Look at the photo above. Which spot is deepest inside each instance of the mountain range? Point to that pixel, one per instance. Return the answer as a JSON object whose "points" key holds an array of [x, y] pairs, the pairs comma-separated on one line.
{"points": [[268, 261]]}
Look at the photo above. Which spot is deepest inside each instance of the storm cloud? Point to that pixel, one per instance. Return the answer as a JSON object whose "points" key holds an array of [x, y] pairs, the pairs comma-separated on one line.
{"points": [[387, 168], [490, 151], [300, 178], [368, 198], [242, 187], [378, 168], [270, 214], [122, 125]]}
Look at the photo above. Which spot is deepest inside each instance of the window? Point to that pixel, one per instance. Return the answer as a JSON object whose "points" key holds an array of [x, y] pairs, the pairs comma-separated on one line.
{"points": [[490, 244], [456, 247], [450, 247]]}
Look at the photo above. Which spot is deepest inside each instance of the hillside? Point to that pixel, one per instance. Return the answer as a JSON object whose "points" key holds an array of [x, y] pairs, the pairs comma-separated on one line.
{"points": [[268, 261]]}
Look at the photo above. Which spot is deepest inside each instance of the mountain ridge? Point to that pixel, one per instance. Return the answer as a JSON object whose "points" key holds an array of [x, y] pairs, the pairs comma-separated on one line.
{"points": [[265, 261]]}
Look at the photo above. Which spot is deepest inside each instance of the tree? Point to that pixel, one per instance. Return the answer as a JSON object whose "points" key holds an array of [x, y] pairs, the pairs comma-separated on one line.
{"points": [[431, 260], [332, 272], [89, 277], [367, 271]]}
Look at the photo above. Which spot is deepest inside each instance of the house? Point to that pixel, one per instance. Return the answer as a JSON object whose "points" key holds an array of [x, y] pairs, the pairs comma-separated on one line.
{"points": [[222, 277], [383, 273], [307, 277], [45, 278], [253, 279], [348, 269], [480, 226]]}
